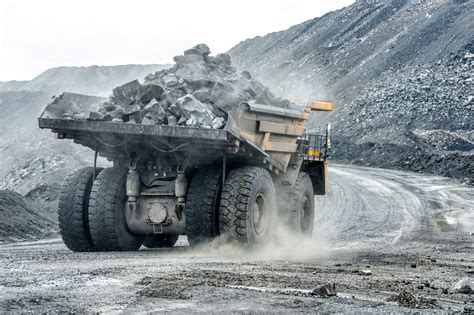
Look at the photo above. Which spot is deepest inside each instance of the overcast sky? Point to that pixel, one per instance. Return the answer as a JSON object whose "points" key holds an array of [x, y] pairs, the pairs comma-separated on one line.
{"points": [[37, 35]]}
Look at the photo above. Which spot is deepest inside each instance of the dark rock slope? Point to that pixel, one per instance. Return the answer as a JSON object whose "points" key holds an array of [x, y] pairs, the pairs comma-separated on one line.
{"points": [[400, 73], [20, 220]]}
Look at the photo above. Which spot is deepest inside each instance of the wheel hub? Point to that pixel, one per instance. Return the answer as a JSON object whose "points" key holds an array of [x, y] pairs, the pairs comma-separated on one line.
{"points": [[260, 214]]}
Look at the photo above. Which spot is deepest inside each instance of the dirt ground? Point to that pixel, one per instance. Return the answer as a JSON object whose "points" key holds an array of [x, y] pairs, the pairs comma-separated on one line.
{"points": [[413, 233]]}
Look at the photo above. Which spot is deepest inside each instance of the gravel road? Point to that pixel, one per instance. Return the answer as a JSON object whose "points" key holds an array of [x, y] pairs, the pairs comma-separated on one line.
{"points": [[413, 232]]}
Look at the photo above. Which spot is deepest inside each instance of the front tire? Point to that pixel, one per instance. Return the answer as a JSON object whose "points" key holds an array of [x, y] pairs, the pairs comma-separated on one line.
{"points": [[301, 212], [73, 210], [248, 207], [108, 226]]}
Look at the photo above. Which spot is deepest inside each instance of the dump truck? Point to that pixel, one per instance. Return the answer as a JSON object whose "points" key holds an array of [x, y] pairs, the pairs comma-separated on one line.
{"points": [[237, 183]]}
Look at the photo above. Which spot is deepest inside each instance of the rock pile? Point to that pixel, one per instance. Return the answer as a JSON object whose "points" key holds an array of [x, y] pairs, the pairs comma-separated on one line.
{"points": [[21, 221], [197, 91], [413, 117], [407, 299]]}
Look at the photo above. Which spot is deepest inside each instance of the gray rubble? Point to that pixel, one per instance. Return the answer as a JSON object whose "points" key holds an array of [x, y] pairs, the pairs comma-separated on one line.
{"points": [[197, 91], [414, 117]]}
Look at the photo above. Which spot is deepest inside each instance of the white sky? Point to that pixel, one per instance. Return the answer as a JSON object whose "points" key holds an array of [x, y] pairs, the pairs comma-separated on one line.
{"points": [[39, 34]]}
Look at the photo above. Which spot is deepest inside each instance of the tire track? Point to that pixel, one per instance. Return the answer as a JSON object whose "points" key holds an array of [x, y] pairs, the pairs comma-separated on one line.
{"points": [[368, 208]]}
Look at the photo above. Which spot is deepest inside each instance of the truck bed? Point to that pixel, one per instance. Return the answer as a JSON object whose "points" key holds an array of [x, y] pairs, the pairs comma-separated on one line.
{"points": [[257, 134], [116, 139], [69, 126]]}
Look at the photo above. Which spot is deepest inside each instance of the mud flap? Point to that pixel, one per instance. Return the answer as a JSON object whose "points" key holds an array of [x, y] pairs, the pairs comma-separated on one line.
{"points": [[317, 170]]}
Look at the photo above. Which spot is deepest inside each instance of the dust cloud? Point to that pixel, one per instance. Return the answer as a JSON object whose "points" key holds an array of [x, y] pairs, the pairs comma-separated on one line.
{"points": [[287, 245]]}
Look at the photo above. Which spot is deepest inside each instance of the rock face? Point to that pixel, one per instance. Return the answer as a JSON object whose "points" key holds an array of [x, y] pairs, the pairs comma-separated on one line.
{"points": [[416, 117], [399, 72], [198, 91]]}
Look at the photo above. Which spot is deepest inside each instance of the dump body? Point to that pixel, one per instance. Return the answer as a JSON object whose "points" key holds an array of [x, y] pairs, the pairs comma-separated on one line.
{"points": [[255, 134]]}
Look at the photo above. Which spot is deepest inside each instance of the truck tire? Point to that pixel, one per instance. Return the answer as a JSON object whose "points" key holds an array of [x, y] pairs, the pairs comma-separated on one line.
{"points": [[160, 241], [301, 209], [202, 206], [73, 209], [109, 230], [248, 207]]}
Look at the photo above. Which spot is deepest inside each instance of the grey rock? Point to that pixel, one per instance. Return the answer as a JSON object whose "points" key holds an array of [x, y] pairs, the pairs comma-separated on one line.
{"points": [[226, 96], [149, 92], [95, 116], [172, 121], [170, 96], [154, 110], [366, 272], [192, 108], [328, 289], [175, 110], [117, 112], [131, 109], [108, 105], [193, 68], [126, 94], [218, 123], [224, 59], [464, 286], [148, 120], [246, 75], [192, 121], [170, 80], [79, 116], [470, 99], [203, 95], [67, 115], [67, 104], [200, 49], [181, 121]]}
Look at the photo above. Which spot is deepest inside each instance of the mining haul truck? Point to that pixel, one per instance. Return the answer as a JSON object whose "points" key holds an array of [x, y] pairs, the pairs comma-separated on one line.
{"points": [[263, 169]]}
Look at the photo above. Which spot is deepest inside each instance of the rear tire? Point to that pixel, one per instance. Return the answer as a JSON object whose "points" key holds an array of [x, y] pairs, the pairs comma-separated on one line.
{"points": [[160, 241], [73, 209], [108, 226], [248, 207], [202, 206], [301, 212]]}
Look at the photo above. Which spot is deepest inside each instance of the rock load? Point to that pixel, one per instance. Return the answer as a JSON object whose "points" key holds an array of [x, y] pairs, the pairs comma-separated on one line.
{"points": [[197, 91]]}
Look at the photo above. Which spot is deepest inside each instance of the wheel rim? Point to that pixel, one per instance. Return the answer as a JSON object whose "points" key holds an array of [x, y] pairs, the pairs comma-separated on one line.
{"points": [[305, 212], [260, 214]]}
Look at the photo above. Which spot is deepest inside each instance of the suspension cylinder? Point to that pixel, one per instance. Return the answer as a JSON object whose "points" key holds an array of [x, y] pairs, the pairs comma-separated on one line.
{"points": [[133, 185], [181, 187]]}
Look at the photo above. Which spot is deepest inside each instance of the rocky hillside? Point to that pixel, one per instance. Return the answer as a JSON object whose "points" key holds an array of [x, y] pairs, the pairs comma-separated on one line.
{"points": [[400, 73], [95, 80]]}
